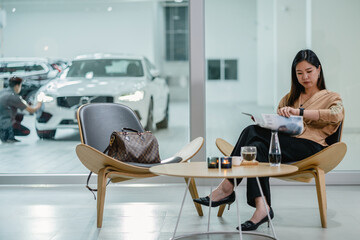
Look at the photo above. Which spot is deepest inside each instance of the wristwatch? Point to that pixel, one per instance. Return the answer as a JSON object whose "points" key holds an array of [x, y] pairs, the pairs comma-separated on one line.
{"points": [[301, 112]]}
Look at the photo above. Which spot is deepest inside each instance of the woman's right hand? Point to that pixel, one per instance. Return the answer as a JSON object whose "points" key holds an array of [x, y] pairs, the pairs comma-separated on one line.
{"points": [[288, 111]]}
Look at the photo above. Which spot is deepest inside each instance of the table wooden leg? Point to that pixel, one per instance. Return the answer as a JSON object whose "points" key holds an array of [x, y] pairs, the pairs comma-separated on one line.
{"points": [[194, 194]]}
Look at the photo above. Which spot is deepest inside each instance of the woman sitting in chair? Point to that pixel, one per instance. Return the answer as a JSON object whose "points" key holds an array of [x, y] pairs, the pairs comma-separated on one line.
{"points": [[322, 112]]}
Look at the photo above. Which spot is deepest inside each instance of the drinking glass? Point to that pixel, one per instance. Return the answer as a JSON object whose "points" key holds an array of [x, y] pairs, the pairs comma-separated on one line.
{"points": [[248, 153]]}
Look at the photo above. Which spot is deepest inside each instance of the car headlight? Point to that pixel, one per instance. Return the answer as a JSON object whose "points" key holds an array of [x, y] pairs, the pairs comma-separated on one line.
{"points": [[132, 97], [42, 97]]}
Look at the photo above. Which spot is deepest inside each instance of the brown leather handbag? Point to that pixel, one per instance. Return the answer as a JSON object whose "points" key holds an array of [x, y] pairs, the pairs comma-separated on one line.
{"points": [[133, 146]]}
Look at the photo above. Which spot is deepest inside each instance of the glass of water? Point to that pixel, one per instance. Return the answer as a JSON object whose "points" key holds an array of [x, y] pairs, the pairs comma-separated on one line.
{"points": [[248, 153]]}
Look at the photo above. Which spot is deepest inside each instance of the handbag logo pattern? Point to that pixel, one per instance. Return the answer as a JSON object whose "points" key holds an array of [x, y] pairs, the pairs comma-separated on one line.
{"points": [[140, 147]]}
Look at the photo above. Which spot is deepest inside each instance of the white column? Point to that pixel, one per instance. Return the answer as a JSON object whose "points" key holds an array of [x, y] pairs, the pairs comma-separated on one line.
{"points": [[283, 30], [266, 52], [197, 73]]}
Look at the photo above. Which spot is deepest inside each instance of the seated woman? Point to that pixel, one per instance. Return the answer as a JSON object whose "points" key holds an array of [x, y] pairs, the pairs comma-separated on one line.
{"points": [[322, 113]]}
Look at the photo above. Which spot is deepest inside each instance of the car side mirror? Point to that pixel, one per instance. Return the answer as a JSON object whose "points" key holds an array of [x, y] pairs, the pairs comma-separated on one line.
{"points": [[154, 73]]}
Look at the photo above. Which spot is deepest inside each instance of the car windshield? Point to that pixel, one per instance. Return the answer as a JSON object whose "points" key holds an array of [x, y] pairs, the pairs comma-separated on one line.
{"points": [[106, 68]]}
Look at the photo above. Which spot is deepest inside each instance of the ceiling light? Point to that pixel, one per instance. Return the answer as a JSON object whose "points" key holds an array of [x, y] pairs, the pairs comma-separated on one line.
{"points": [[109, 9]]}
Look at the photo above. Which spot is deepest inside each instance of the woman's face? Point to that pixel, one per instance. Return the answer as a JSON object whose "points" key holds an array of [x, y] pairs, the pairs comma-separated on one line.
{"points": [[307, 74]]}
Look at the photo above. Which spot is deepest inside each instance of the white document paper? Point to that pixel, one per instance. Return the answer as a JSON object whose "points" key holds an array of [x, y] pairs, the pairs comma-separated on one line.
{"points": [[292, 125]]}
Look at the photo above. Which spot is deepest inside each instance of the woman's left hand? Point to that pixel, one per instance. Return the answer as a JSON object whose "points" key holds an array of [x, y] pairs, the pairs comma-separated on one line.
{"points": [[288, 111]]}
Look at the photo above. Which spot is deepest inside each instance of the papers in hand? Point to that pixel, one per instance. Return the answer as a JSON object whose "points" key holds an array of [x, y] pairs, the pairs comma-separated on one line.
{"points": [[292, 125]]}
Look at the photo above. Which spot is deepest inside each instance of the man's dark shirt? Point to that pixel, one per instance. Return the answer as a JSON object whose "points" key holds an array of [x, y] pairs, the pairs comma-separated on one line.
{"points": [[9, 103]]}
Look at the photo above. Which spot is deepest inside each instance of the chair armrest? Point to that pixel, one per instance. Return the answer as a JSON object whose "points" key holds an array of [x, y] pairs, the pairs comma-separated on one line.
{"points": [[190, 149], [95, 160], [171, 160], [149, 165], [327, 159], [224, 147]]}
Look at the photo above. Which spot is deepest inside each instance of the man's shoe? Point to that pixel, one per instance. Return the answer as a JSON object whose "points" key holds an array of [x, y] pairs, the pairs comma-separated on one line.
{"points": [[13, 140]]}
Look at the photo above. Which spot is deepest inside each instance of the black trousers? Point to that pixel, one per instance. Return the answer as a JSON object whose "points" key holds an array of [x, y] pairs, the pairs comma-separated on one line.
{"points": [[292, 149]]}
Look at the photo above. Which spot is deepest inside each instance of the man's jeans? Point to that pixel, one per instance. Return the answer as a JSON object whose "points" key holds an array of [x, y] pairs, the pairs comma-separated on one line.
{"points": [[6, 134]]}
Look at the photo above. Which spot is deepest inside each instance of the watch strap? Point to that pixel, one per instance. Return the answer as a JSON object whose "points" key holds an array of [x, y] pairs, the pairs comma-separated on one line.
{"points": [[301, 112]]}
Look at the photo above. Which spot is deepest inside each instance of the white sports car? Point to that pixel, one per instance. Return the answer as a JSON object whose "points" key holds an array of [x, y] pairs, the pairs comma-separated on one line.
{"points": [[130, 80]]}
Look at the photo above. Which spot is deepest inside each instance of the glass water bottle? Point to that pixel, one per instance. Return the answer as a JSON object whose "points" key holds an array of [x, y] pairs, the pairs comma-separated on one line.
{"points": [[274, 150]]}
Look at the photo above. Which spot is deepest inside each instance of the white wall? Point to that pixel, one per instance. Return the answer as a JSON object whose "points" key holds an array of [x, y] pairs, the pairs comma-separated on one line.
{"points": [[336, 38], [281, 34], [69, 29], [230, 32], [290, 38], [264, 35], [266, 53]]}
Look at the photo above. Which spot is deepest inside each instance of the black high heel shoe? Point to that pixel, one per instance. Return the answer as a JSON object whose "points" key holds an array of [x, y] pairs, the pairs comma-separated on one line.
{"points": [[206, 201], [250, 226]]}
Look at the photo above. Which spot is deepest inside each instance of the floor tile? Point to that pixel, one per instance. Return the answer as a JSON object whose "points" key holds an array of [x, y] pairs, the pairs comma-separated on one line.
{"points": [[68, 212]]}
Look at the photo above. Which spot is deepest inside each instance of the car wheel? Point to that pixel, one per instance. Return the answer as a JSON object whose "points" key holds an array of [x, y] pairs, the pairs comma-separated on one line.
{"points": [[165, 122], [46, 134], [150, 119]]}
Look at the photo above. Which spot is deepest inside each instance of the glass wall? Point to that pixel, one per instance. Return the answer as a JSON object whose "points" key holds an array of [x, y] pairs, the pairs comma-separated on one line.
{"points": [[68, 47], [249, 49], [250, 46]]}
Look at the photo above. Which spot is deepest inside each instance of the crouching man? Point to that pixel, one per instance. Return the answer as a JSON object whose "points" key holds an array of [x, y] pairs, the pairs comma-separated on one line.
{"points": [[10, 101]]}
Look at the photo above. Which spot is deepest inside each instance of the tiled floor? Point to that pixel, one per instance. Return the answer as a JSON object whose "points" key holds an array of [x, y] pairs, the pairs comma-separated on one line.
{"points": [[135, 211]]}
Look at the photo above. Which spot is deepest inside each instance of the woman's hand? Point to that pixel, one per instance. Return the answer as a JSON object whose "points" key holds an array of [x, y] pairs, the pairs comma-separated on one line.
{"points": [[288, 111]]}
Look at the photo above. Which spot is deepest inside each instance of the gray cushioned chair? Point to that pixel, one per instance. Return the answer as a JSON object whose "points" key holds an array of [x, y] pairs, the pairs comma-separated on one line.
{"points": [[96, 123]]}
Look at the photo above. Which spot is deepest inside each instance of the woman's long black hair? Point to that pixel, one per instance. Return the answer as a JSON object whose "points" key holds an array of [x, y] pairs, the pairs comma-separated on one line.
{"points": [[296, 87]]}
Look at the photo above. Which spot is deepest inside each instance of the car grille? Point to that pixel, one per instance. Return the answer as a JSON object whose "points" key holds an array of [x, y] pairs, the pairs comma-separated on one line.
{"points": [[69, 102], [44, 118], [68, 122]]}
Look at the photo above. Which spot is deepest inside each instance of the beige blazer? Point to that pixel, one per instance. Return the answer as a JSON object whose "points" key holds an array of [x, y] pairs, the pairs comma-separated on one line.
{"points": [[331, 112]]}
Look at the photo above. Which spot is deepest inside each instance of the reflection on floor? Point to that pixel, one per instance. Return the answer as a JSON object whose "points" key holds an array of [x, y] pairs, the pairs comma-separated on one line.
{"points": [[149, 212]]}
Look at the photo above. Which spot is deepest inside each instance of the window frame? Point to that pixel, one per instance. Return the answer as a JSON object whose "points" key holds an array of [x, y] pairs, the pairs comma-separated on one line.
{"points": [[222, 69], [170, 47]]}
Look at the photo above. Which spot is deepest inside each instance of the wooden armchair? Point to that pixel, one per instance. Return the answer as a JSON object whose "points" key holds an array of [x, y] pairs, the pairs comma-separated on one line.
{"points": [[96, 123], [315, 166]]}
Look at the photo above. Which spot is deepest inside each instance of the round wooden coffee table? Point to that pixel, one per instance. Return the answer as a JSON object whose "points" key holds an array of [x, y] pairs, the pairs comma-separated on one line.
{"points": [[200, 170]]}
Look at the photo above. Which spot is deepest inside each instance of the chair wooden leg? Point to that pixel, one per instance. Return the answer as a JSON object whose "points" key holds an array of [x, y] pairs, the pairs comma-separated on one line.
{"points": [[101, 190], [221, 210], [321, 194], [194, 194]]}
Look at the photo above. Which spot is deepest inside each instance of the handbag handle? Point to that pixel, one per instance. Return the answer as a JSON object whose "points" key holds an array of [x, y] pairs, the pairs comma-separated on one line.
{"points": [[129, 129]]}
